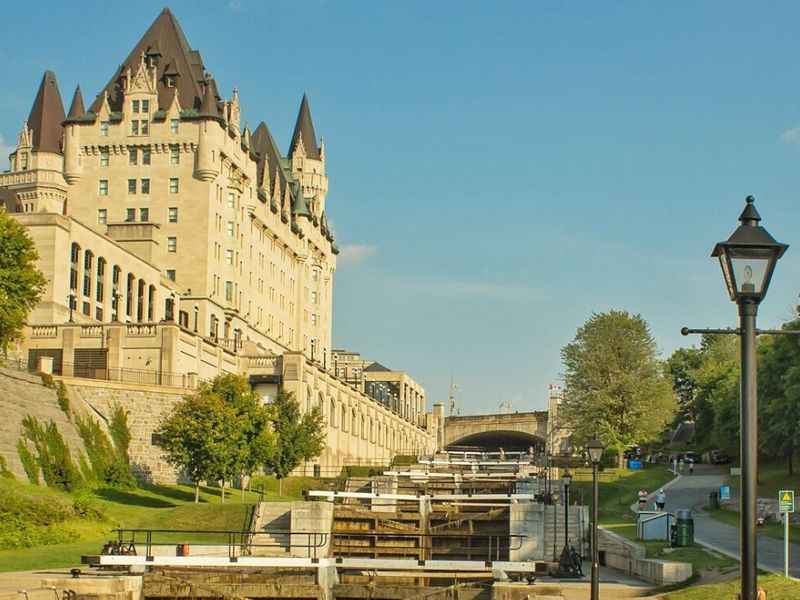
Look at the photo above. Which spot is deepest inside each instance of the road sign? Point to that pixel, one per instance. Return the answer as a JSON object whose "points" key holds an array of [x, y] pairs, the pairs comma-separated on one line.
{"points": [[786, 501], [724, 492]]}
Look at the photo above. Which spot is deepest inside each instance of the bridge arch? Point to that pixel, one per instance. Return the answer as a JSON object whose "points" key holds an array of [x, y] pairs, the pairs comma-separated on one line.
{"points": [[493, 440], [510, 431]]}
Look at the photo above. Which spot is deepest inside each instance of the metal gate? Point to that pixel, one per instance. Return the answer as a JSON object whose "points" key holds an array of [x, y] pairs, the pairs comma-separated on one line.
{"points": [[90, 363], [54, 353]]}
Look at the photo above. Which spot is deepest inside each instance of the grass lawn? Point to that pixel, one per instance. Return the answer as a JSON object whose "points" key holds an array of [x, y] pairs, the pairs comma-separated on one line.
{"points": [[777, 588], [772, 477], [152, 507]]}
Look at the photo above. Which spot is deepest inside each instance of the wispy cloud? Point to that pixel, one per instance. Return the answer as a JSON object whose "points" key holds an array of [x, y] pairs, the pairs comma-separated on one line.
{"points": [[462, 288], [5, 150], [791, 136], [354, 254]]}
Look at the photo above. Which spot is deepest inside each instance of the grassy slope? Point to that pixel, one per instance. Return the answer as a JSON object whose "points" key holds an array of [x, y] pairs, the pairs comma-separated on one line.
{"points": [[772, 478], [154, 507], [619, 491], [777, 588]]}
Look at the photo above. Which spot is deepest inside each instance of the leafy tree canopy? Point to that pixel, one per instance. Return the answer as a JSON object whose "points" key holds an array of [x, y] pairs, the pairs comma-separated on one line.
{"points": [[21, 282], [299, 437], [614, 383]]}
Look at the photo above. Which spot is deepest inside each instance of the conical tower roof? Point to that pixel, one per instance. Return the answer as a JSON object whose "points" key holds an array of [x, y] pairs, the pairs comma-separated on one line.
{"points": [[304, 129], [165, 45], [264, 145], [47, 114], [208, 107], [76, 109]]}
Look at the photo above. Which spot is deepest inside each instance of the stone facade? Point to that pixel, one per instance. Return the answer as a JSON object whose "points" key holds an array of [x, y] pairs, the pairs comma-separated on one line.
{"points": [[179, 245]]}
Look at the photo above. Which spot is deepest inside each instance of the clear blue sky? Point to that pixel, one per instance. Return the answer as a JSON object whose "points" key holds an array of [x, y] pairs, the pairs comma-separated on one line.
{"points": [[498, 170]]}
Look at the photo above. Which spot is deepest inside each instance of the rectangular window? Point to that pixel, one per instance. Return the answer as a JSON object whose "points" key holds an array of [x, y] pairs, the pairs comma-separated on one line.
{"points": [[145, 185], [229, 256], [229, 291], [230, 229], [134, 127], [24, 162], [172, 214], [104, 128], [231, 200], [172, 244], [131, 186], [130, 215], [173, 125], [171, 274], [145, 127], [144, 215], [313, 297], [173, 185], [133, 155], [145, 151], [102, 216], [136, 106], [103, 157], [103, 187], [174, 155], [145, 106]]}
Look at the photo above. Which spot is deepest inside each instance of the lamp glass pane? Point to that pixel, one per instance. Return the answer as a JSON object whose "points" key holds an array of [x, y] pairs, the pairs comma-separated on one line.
{"points": [[726, 273], [749, 273], [595, 453]]}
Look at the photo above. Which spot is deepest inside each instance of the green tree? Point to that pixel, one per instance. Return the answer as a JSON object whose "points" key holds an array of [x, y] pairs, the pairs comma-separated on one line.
{"points": [[253, 421], [614, 384], [299, 437], [681, 367], [21, 282], [199, 437], [779, 395]]}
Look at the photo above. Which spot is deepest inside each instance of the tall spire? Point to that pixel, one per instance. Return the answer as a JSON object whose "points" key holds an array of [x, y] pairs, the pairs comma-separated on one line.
{"points": [[304, 130], [47, 114], [166, 49], [76, 109]]}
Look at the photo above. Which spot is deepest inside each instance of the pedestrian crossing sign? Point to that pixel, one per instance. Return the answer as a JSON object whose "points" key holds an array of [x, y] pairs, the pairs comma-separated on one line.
{"points": [[786, 501]]}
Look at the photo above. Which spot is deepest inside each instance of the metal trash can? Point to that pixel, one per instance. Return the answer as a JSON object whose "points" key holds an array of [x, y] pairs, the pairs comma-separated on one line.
{"points": [[684, 528], [713, 500]]}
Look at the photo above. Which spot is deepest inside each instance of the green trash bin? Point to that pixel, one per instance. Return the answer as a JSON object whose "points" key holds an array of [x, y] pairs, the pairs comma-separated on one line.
{"points": [[684, 528]]}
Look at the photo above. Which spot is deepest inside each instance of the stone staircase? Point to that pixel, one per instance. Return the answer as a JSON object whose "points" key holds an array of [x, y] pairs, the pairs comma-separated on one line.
{"points": [[22, 394], [270, 517]]}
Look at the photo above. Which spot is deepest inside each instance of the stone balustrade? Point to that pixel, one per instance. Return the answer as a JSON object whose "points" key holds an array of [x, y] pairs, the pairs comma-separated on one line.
{"points": [[92, 331], [44, 331], [142, 330]]}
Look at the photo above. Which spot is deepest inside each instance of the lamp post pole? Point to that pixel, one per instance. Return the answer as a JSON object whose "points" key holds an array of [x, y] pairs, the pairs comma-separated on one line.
{"points": [[749, 448], [595, 449]]}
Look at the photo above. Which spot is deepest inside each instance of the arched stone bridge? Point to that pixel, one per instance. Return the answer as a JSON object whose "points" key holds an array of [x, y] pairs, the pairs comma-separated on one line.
{"points": [[510, 431]]}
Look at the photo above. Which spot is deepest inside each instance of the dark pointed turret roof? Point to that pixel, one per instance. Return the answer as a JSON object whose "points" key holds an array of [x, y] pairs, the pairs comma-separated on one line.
{"points": [[47, 114], [304, 128], [165, 43], [264, 145], [300, 207], [208, 107], [76, 109]]}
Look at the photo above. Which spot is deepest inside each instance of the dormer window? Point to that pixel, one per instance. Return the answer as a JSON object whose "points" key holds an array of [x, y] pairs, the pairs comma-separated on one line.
{"points": [[23, 162], [170, 81]]}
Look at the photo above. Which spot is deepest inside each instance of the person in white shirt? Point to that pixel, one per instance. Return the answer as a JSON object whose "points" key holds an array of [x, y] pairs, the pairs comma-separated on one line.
{"points": [[661, 500]]}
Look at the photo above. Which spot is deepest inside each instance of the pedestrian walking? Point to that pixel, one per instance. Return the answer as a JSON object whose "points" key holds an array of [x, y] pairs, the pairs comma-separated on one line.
{"points": [[691, 467], [642, 499], [680, 466], [661, 500]]}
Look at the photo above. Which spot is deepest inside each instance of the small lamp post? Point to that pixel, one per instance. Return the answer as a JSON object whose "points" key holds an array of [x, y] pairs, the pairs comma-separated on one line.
{"points": [[595, 449], [565, 564], [748, 260], [71, 298]]}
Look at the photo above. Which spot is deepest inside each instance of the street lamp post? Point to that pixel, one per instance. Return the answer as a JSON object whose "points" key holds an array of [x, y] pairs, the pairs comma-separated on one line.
{"points": [[595, 448], [566, 565], [748, 260]]}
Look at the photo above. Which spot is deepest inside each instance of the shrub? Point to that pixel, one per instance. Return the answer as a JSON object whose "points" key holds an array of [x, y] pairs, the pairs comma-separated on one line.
{"points": [[4, 472], [47, 380], [28, 462], [120, 432], [107, 465], [52, 454], [63, 397]]}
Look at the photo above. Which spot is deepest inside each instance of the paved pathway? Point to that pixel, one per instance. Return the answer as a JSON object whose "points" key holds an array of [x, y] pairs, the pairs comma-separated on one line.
{"points": [[691, 491]]}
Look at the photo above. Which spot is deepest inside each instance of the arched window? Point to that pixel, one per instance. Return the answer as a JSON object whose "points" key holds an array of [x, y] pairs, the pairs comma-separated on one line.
{"points": [[332, 414], [151, 303], [99, 293], [129, 294], [343, 420], [140, 301], [309, 398], [363, 428], [354, 422], [88, 260]]}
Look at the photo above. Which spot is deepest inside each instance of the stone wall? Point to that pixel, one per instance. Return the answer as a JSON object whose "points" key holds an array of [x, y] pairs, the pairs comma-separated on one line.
{"points": [[544, 528], [23, 394], [629, 557], [146, 406]]}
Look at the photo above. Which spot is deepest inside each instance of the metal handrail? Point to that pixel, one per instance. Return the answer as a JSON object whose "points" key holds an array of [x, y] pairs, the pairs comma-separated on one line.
{"points": [[235, 538]]}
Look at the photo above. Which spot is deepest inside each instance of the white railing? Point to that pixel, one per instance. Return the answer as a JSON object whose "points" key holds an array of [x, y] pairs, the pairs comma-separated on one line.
{"points": [[91, 331], [140, 330], [44, 331]]}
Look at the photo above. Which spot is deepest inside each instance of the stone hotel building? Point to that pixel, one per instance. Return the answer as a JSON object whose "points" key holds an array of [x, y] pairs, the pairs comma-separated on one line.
{"points": [[178, 245]]}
